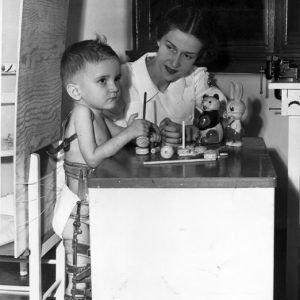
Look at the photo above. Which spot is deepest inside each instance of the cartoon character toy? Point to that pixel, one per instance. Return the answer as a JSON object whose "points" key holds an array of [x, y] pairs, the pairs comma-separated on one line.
{"points": [[207, 119], [235, 109]]}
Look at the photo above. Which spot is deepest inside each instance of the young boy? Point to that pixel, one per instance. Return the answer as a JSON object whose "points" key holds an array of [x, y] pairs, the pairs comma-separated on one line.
{"points": [[90, 72]]}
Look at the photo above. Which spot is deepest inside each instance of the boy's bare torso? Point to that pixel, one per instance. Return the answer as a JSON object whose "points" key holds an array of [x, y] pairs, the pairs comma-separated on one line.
{"points": [[101, 135]]}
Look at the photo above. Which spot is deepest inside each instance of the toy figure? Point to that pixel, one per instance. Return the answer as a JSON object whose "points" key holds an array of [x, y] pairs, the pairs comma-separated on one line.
{"points": [[207, 119], [234, 111]]}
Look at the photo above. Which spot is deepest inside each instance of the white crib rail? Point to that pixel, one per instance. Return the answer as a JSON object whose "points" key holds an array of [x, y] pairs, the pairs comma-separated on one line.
{"points": [[36, 249]]}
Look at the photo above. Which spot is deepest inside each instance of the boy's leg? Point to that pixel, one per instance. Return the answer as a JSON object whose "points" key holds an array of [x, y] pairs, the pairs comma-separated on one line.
{"points": [[78, 262]]}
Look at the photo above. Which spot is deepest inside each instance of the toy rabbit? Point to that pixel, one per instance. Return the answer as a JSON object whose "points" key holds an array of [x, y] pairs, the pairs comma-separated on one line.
{"points": [[235, 109]]}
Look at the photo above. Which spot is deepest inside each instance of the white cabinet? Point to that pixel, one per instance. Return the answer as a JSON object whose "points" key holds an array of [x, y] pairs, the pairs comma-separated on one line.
{"points": [[184, 231], [168, 244]]}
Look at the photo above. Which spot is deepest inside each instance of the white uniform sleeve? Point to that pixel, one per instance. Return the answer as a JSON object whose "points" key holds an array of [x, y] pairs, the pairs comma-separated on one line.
{"points": [[201, 82], [202, 87]]}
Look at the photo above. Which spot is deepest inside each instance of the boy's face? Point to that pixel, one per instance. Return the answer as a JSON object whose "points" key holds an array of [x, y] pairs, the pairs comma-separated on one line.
{"points": [[99, 84]]}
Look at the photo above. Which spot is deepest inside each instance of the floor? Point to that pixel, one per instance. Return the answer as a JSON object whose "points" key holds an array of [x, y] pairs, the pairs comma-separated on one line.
{"points": [[9, 272]]}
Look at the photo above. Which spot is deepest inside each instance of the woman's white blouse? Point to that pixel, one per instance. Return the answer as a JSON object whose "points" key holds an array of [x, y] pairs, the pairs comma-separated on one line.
{"points": [[177, 102]]}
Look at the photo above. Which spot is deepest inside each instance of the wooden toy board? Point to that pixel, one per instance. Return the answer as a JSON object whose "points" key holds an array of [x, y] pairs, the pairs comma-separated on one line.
{"points": [[176, 159]]}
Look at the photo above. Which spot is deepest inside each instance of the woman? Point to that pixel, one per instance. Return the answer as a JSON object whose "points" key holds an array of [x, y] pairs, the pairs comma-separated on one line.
{"points": [[169, 79]]}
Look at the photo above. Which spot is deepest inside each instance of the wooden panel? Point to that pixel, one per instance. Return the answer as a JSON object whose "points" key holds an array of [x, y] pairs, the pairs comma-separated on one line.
{"points": [[242, 44], [42, 41], [288, 15]]}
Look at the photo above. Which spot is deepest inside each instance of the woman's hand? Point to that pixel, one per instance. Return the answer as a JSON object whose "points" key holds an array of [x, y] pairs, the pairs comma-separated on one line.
{"points": [[154, 136], [192, 133], [170, 132]]}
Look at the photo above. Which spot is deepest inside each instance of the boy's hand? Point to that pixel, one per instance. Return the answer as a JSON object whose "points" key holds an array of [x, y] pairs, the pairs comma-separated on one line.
{"points": [[138, 127], [132, 118]]}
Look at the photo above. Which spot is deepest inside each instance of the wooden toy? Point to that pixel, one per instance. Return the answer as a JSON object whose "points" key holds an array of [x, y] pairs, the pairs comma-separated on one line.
{"points": [[167, 151], [142, 141], [190, 150], [179, 161], [141, 151], [234, 111], [207, 119], [154, 150], [211, 154]]}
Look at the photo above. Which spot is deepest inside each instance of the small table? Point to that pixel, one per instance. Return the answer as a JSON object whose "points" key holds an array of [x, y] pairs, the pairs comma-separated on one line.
{"points": [[184, 231]]}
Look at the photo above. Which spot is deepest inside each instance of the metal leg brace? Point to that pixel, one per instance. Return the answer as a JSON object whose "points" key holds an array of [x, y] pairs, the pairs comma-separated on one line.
{"points": [[80, 274]]}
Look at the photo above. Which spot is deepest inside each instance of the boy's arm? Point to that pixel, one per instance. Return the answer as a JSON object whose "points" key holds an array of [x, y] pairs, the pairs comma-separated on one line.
{"points": [[113, 127], [93, 154]]}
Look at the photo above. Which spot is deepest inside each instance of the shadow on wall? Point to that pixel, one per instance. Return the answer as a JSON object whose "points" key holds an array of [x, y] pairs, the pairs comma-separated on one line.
{"points": [[67, 104], [253, 123], [281, 190], [75, 19]]}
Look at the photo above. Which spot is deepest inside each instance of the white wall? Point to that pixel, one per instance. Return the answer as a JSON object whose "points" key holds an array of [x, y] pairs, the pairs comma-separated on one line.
{"points": [[10, 27], [111, 18]]}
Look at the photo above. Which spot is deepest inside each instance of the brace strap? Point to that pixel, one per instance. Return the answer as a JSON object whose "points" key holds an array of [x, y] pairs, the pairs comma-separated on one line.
{"points": [[81, 248], [83, 273], [87, 296]]}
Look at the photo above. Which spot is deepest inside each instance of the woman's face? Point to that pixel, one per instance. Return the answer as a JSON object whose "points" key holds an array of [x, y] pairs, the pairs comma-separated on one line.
{"points": [[176, 54]]}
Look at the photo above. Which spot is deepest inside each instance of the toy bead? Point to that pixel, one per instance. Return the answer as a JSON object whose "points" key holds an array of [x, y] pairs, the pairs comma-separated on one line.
{"points": [[142, 141], [141, 151], [166, 151], [154, 150], [200, 149], [211, 154]]}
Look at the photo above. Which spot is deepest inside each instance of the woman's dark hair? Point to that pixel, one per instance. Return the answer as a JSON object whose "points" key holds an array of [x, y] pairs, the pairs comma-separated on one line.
{"points": [[77, 55], [190, 20]]}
